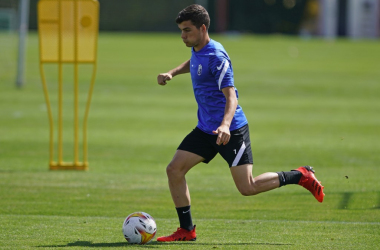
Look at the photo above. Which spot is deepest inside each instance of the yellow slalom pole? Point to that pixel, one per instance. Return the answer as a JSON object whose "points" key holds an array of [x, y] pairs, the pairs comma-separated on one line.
{"points": [[89, 97], [48, 107], [76, 106], [50, 116], [60, 88], [85, 150]]}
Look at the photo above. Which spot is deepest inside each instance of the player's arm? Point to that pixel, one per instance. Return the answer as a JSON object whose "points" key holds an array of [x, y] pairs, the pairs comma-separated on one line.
{"points": [[181, 69], [223, 131]]}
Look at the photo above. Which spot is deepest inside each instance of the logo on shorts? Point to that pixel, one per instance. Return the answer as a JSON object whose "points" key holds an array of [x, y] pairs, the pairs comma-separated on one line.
{"points": [[199, 69]]}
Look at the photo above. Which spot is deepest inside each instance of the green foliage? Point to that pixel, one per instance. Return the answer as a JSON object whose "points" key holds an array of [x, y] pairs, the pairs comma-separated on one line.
{"points": [[310, 102]]}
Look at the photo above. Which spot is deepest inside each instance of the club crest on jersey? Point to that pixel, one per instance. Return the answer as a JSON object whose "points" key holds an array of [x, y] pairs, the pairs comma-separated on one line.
{"points": [[199, 69]]}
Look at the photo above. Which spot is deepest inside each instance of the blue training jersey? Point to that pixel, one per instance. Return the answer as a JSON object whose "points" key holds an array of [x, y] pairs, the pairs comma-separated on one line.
{"points": [[211, 71]]}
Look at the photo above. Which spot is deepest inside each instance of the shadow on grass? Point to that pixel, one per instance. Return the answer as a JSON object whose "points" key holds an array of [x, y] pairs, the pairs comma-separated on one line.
{"points": [[347, 197], [156, 244]]}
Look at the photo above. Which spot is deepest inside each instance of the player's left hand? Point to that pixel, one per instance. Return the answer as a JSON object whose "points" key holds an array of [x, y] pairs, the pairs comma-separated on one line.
{"points": [[223, 132]]}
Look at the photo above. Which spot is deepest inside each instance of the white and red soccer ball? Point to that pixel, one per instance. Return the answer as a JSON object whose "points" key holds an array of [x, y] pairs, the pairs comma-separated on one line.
{"points": [[139, 228]]}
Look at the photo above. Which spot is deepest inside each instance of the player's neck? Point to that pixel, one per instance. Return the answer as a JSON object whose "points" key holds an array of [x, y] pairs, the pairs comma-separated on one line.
{"points": [[204, 41]]}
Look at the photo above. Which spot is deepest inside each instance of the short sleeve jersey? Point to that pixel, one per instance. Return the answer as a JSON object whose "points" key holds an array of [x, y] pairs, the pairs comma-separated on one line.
{"points": [[211, 71]]}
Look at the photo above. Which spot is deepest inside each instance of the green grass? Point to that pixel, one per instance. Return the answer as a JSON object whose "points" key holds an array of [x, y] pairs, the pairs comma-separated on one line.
{"points": [[308, 102]]}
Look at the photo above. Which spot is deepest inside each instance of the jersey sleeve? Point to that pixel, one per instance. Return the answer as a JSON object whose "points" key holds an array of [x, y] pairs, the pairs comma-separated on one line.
{"points": [[221, 69]]}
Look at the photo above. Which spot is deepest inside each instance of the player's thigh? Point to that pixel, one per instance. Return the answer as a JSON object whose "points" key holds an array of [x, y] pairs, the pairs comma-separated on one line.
{"points": [[201, 144], [183, 161], [242, 176]]}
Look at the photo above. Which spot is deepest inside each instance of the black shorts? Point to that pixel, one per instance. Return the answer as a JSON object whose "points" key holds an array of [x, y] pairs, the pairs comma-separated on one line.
{"points": [[236, 152]]}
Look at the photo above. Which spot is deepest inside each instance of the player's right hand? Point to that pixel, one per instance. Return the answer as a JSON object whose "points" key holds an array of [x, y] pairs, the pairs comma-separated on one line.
{"points": [[223, 133], [163, 77]]}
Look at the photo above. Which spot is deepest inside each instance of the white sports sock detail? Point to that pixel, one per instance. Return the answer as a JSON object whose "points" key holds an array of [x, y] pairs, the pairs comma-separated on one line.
{"points": [[226, 65], [239, 154]]}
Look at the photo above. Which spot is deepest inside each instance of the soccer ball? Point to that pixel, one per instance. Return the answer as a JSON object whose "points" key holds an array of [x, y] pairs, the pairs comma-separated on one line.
{"points": [[139, 228]]}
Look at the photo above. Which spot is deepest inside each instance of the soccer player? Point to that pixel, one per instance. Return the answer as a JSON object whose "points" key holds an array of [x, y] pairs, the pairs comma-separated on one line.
{"points": [[222, 126]]}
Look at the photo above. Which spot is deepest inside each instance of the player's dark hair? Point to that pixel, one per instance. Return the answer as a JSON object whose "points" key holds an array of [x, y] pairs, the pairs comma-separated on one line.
{"points": [[196, 13]]}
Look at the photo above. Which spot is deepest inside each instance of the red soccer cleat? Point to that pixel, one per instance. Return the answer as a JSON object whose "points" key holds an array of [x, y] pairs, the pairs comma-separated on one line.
{"points": [[311, 183], [180, 235]]}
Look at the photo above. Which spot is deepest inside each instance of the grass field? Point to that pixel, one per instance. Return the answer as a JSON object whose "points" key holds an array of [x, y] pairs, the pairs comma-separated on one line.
{"points": [[310, 102]]}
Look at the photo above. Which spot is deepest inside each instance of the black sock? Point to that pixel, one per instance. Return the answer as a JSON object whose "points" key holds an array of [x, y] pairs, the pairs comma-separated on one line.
{"points": [[184, 215], [291, 177]]}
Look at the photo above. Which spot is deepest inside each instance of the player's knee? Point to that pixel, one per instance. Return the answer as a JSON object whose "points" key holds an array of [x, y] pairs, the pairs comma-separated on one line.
{"points": [[173, 171], [247, 191], [170, 170]]}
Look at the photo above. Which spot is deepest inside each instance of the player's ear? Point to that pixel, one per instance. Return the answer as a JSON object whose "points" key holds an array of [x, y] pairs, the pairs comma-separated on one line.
{"points": [[203, 28]]}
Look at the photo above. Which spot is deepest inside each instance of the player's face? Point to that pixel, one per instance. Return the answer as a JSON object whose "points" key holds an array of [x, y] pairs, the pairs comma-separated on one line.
{"points": [[190, 35]]}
